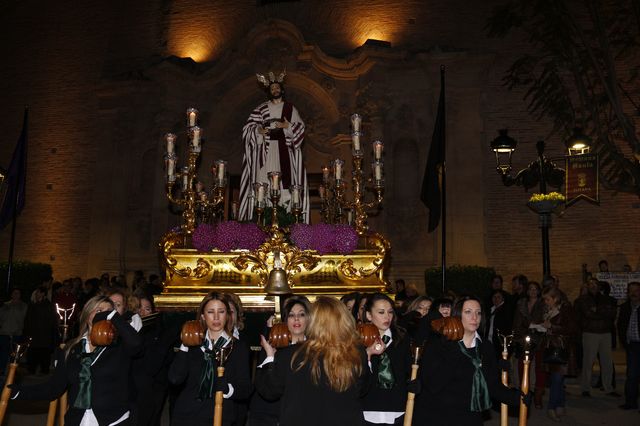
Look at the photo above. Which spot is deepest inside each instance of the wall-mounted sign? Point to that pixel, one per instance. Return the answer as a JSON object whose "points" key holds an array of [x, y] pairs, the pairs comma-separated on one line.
{"points": [[581, 180]]}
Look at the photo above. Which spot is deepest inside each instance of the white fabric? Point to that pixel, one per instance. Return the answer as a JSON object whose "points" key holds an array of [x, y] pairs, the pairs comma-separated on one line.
{"points": [[89, 419], [382, 417], [258, 150], [136, 322]]}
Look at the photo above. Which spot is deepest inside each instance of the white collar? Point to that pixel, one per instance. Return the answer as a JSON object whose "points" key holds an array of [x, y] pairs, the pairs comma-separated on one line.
{"points": [[473, 342], [209, 343]]}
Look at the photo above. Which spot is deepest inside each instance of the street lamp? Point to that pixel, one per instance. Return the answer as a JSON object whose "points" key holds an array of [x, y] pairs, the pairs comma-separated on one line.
{"points": [[578, 143], [541, 171]]}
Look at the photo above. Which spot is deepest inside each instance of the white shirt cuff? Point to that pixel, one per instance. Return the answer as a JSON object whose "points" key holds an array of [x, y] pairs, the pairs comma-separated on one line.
{"points": [[266, 361], [112, 314], [228, 394]]}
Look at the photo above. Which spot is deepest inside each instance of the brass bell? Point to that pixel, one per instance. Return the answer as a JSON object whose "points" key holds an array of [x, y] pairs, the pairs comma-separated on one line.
{"points": [[278, 283]]}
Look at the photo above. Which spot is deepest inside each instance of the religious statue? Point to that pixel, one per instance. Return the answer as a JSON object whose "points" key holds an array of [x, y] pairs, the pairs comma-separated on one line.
{"points": [[272, 139]]}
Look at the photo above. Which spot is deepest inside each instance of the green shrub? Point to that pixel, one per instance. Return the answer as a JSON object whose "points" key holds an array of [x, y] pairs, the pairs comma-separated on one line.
{"points": [[25, 275], [462, 280]]}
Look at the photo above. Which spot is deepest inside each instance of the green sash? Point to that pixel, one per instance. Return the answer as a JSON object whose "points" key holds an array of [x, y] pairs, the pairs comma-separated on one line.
{"points": [[83, 400], [385, 372], [207, 378], [480, 399]]}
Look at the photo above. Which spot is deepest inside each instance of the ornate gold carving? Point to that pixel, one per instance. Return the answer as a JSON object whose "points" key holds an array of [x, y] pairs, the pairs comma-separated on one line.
{"points": [[261, 261], [349, 270]]}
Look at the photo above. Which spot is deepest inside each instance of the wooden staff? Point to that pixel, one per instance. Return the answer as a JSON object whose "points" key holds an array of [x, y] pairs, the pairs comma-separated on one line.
{"points": [[221, 355], [522, 421], [504, 409], [11, 374], [416, 351]]}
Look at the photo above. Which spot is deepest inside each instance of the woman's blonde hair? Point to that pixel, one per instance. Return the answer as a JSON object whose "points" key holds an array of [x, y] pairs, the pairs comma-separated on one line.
{"points": [[333, 346], [83, 323]]}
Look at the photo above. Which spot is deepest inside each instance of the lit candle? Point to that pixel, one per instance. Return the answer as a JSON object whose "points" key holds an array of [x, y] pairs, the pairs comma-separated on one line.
{"points": [[355, 122], [337, 169], [192, 117], [275, 180], [221, 164], [171, 142], [377, 170], [350, 216], [325, 174], [355, 138], [196, 133], [377, 150]]}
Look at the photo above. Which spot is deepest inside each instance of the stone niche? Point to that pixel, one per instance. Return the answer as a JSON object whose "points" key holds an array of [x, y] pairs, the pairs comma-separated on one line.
{"points": [[395, 94]]}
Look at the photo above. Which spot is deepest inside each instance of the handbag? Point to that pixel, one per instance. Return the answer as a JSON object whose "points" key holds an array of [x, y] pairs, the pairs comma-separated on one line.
{"points": [[555, 352]]}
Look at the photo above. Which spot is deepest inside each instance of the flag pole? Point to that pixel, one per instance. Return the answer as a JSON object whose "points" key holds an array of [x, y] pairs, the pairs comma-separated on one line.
{"points": [[443, 229], [14, 214]]}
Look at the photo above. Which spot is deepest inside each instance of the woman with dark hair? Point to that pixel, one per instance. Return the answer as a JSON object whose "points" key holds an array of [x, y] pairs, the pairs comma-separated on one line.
{"points": [[96, 378], [352, 302], [296, 312], [361, 318], [526, 322], [195, 368], [461, 377], [321, 380], [559, 322], [385, 402]]}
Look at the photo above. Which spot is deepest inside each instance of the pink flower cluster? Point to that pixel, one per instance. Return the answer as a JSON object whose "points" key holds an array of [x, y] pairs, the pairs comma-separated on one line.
{"points": [[227, 236], [324, 238]]}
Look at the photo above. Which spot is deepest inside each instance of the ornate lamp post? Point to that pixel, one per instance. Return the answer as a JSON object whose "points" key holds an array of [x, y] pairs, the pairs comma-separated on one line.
{"points": [[542, 171]]}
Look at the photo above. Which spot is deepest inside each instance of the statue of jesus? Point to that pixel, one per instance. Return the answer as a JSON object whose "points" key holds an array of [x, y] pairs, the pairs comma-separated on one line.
{"points": [[273, 137]]}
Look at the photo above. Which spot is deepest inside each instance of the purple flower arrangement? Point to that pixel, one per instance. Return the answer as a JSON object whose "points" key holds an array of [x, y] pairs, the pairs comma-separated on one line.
{"points": [[232, 235], [324, 238], [227, 236]]}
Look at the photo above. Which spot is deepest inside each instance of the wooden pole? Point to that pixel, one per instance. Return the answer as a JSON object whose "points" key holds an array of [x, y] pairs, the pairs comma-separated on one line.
{"points": [[217, 408], [51, 414], [11, 375], [408, 413], [504, 409], [6, 391], [522, 420]]}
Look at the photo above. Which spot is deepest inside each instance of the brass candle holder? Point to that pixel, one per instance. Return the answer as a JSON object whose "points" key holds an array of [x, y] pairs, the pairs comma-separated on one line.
{"points": [[192, 198], [360, 184]]}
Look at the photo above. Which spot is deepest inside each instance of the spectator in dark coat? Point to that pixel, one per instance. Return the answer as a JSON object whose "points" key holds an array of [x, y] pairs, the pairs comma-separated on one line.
{"points": [[629, 334], [41, 325]]}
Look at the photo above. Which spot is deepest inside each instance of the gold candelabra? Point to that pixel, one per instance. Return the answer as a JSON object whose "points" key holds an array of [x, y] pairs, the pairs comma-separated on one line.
{"points": [[333, 189], [195, 201]]}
